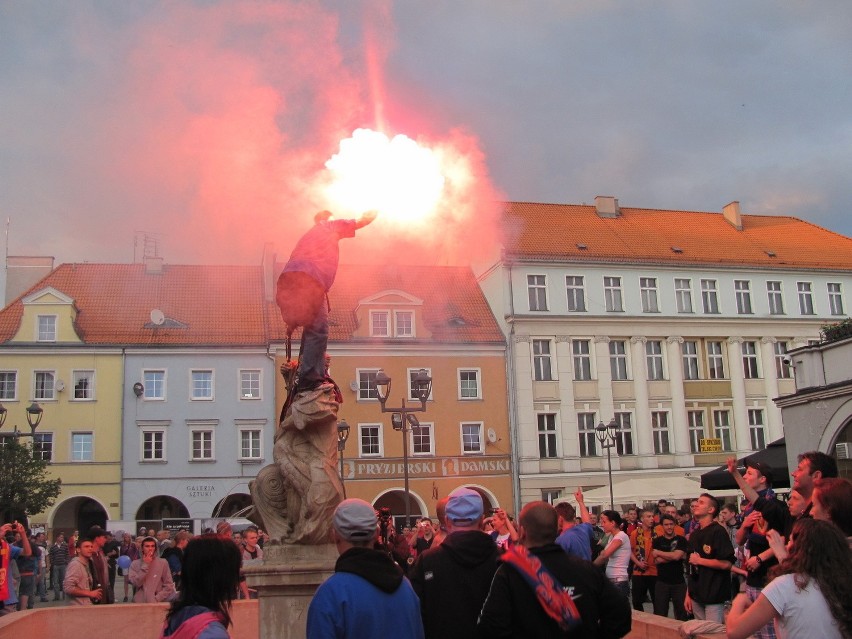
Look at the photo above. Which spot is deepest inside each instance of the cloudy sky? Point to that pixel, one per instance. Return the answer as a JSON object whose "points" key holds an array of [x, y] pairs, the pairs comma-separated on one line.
{"points": [[205, 125]]}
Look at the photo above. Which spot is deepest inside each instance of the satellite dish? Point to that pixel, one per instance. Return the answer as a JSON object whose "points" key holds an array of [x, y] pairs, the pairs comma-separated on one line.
{"points": [[492, 435], [60, 385], [157, 317]]}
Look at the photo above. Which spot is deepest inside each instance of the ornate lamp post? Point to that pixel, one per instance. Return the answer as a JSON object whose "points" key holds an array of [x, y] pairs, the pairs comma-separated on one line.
{"points": [[607, 435], [403, 419], [34, 415], [342, 437]]}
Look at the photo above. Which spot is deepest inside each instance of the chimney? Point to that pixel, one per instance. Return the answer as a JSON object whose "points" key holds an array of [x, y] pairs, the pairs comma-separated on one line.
{"points": [[267, 266], [153, 265], [732, 215], [22, 271], [607, 206]]}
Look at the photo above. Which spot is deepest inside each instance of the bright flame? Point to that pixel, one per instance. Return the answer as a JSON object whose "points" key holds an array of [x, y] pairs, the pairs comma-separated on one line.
{"points": [[398, 177]]}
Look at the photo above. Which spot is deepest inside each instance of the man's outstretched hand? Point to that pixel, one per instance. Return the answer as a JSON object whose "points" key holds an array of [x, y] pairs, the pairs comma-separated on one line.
{"points": [[366, 218]]}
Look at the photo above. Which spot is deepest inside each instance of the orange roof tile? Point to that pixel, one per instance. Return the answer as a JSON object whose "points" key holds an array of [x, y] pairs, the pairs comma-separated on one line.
{"points": [[553, 231], [218, 305], [448, 293]]}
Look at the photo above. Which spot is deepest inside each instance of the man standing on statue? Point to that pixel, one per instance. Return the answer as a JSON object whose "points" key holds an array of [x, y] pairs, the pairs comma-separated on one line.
{"points": [[303, 289]]}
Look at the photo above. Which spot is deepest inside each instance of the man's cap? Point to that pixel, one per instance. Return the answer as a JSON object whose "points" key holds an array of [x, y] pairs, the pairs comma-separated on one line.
{"points": [[355, 520], [95, 532], [464, 505], [762, 468]]}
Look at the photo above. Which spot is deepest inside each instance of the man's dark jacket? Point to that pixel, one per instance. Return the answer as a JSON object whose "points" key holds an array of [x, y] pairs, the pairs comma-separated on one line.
{"points": [[512, 608], [452, 582]]}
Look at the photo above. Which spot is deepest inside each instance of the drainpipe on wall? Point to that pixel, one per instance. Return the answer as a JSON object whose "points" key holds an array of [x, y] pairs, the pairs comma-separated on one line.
{"points": [[121, 436], [513, 406]]}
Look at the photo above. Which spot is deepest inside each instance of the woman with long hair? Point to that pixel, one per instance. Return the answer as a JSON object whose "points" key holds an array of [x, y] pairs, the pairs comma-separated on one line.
{"points": [[616, 555], [832, 501], [210, 581], [811, 593]]}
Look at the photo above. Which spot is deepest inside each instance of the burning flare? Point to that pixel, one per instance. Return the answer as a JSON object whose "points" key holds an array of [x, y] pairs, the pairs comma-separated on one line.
{"points": [[401, 179]]}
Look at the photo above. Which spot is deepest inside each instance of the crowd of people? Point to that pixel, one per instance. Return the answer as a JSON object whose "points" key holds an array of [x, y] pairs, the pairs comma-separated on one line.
{"points": [[83, 569], [762, 568]]}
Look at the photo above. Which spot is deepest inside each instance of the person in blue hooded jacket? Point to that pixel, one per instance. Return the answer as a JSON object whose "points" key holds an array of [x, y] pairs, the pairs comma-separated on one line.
{"points": [[367, 596]]}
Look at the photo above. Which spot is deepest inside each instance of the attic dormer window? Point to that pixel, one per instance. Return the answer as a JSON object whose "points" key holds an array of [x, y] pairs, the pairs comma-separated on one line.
{"points": [[385, 323], [581, 247], [770, 253], [46, 328], [677, 249]]}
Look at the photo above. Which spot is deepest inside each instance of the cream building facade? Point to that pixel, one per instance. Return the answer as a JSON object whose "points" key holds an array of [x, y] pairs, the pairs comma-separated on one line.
{"points": [[674, 324]]}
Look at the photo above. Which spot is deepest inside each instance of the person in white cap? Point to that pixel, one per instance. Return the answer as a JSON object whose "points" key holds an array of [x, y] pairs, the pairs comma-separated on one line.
{"points": [[453, 579], [367, 596]]}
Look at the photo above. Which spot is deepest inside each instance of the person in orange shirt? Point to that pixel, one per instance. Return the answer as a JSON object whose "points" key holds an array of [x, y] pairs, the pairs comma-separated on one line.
{"points": [[671, 510], [644, 580]]}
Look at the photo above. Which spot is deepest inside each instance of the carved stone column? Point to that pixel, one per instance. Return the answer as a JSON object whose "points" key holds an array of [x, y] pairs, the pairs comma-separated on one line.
{"points": [[770, 383], [735, 366], [680, 437], [644, 442]]}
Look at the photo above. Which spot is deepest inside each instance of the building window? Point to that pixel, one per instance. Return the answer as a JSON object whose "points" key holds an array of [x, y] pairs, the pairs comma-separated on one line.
{"points": [[648, 294], [155, 384], [660, 430], [469, 384], [806, 298], [250, 384], [153, 445], [367, 384], [370, 440], [45, 385], [749, 350], [695, 420], [84, 384], [618, 359], [709, 296], [756, 432], [654, 359], [403, 323], [689, 350], [8, 385], [46, 328], [576, 295], [471, 438], [715, 361], [582, 359], [551, 496], [201, 444], [612, 294], [412, 373], [43, 447], [683, 295], [422, 442], [542, 371], [537, 290], [624, 435], [81, 447], [743, 293], [251, 444], [775, 297], [722, 428], [835, 298], [546, 435], [588, 438], [201, 385], [379, 324], [782, 369]]}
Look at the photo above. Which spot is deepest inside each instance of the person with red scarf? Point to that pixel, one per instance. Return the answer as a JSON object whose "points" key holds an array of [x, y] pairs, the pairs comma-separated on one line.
{"points": [[9, 552]]}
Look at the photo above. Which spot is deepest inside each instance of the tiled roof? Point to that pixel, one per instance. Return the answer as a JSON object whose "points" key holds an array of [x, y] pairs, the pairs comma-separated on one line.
{"points": [[554, 231], [454, 308], [223, 305], [219, 305]]}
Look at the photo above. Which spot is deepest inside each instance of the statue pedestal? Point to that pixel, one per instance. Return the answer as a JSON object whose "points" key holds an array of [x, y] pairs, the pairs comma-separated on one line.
{"points": [[286, 581]]}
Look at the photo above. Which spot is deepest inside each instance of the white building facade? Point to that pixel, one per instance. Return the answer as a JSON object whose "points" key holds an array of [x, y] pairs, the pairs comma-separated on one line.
{"points": [[684, 354]]}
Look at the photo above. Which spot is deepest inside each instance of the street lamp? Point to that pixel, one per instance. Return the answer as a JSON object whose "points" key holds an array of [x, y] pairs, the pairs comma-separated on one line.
{"points": [[342, 436], [607, 435], [34, 415], [402, 419]]}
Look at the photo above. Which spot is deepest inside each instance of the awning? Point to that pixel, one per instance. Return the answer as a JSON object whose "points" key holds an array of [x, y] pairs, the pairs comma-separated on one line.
{"points": [[636, 490], [774, 456]]}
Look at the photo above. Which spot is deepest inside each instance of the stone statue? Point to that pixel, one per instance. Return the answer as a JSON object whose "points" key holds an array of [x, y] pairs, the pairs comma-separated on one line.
{"points": [[295, 497]]}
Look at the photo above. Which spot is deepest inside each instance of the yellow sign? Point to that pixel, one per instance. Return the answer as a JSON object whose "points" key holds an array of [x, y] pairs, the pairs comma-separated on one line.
{"points": [[710, 445]]}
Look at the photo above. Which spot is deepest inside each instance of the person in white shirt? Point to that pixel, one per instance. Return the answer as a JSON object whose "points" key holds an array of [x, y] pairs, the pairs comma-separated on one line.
{"points": [[811, 594], [616, 555]]}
